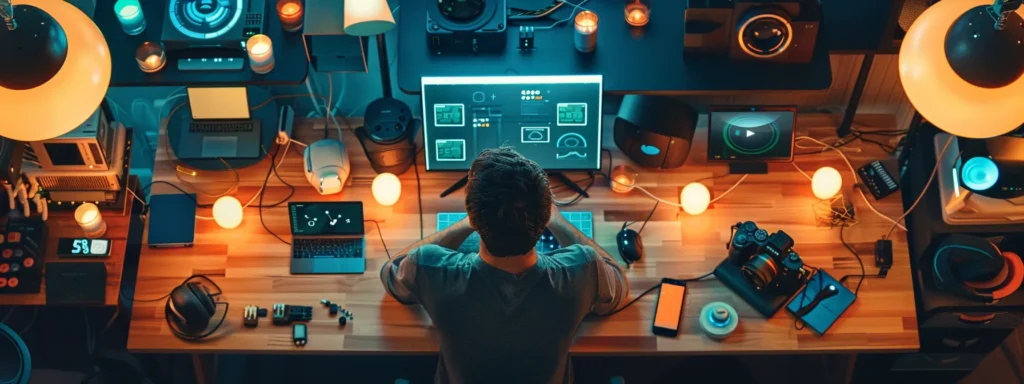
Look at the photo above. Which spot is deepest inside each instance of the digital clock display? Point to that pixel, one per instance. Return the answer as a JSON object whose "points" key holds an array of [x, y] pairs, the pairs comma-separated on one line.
{"points": [[83, 247]]}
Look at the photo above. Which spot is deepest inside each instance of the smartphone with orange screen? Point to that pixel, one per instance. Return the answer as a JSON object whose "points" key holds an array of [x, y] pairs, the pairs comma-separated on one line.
{"points": [[669, 309]]}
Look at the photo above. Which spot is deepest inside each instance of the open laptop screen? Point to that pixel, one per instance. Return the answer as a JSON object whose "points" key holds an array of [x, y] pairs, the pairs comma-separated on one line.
{"points": [[229, 103], [326, 218]]}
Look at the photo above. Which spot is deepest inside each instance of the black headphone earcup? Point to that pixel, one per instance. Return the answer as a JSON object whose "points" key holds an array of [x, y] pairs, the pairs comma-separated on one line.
{"points": [[205, 298], [975, 255]]}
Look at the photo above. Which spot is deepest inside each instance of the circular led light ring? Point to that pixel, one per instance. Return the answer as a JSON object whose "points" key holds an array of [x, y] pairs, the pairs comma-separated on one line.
{"points": [[979, 173], [734, 123], [784, 46], [175, 19]]}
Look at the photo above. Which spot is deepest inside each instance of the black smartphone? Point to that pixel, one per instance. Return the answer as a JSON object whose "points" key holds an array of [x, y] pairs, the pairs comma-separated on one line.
{"points": [[669, 310]]}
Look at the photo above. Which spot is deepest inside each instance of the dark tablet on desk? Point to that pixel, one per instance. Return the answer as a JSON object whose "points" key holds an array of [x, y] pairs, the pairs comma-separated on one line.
{"points": [[172, 220]]}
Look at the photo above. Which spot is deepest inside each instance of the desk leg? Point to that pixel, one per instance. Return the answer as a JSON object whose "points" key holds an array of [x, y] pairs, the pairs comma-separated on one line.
{"points": [[839, 368], [205, 367]]}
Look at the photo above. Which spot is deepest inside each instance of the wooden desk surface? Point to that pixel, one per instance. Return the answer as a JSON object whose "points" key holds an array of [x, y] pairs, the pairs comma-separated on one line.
{"points": [[253, 268], [62, 224]]}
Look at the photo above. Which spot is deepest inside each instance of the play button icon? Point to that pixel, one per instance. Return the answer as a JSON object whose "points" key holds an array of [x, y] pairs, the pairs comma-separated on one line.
{"points": [[752, 135]]}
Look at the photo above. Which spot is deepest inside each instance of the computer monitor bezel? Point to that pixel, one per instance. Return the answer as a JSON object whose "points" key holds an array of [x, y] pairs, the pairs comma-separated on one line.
{"points": [[774, 108], [501, 80]]}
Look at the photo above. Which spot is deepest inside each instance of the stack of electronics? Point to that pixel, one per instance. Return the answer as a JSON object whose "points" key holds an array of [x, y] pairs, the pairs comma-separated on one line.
{"points": [[209, 35], [88, 164], [985, 184], [467, 26], [22, 250]]}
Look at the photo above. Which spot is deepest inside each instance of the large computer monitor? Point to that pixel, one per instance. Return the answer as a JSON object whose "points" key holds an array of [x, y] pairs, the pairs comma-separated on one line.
{"points": [[553, 120], [751, 134]]}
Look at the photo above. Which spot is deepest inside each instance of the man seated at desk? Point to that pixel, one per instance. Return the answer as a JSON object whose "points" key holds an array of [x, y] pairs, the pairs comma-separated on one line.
{"points": [[506, 314]]}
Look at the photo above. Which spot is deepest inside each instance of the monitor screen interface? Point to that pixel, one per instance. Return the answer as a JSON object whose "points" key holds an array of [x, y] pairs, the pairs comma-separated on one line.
{"points": [[336, 218], [757, 134], [553, 120]]}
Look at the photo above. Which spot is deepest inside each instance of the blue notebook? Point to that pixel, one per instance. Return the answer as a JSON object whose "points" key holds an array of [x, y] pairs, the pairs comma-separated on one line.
{"points": [[172, 220]]}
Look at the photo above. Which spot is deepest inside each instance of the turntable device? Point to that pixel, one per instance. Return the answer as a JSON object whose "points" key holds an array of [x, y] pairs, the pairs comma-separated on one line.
{"points": [[212, 25]]}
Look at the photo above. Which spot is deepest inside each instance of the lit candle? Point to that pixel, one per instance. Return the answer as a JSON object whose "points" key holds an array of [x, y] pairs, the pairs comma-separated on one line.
{"points": [[261, 54], [290, 13], [623, 179], [637, 13], [585, 36], [89, 218], [150, 57], [129, 13]]}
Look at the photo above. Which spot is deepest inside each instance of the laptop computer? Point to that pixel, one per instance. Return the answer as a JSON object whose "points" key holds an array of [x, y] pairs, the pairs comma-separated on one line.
{"points": [[327, 237], [221, 126]]}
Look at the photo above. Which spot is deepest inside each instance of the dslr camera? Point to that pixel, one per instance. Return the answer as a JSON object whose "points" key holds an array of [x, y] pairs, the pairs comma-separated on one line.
{"points": [[782, 31], [466, 26], [766, 260]]}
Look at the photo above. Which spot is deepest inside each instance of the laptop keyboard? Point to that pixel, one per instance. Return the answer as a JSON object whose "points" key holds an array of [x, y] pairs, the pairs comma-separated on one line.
{"points": [[327, 248], [584, 221], [216, 127]]}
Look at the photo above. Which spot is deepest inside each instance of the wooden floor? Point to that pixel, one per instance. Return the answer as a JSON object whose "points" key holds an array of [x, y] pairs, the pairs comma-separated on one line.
{"points": [[252, 266]]}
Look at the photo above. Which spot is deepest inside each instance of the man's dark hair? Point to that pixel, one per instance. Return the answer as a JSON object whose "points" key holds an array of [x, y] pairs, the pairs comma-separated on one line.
{"points": [[508, 200]]}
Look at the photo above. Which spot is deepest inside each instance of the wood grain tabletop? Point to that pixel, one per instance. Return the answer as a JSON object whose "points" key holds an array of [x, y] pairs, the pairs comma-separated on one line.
{"points": [[252, 267], [62, 224]]}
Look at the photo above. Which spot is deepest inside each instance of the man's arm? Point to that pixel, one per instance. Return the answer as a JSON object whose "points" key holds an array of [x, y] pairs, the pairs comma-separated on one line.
{"points": [[399, 273], [612, 285]]}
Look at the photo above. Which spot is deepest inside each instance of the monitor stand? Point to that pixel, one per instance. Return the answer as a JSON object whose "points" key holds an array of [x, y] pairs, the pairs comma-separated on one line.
{"points": [[569, 183], [748, 168]]}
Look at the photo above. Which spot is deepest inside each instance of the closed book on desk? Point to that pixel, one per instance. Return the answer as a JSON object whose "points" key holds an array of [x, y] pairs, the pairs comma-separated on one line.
{"points": [[172, 220]]}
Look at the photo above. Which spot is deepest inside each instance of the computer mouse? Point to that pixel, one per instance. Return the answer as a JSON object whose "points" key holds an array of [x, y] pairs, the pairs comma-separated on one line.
{"points": [[631, 246]]}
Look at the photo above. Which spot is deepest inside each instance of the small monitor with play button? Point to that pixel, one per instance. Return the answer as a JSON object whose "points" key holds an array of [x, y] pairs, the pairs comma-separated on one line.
{"points": [[751, 134]]}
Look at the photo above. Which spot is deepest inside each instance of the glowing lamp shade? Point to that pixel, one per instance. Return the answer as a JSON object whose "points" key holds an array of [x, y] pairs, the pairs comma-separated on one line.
{"points": [[89, 218], [826, 183], [979, 174], [695, 198], [227, 212], [45, 89], [386, 189], [939, 93], [367, 17]]}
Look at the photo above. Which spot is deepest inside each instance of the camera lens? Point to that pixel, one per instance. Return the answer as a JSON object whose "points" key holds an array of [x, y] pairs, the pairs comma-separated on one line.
{"points": [[760, 270], [461, 10], [765, 35]]}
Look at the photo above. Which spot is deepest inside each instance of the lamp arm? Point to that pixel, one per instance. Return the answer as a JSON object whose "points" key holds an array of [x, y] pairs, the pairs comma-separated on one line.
{"points": [[7, 13], [1002, 9]]}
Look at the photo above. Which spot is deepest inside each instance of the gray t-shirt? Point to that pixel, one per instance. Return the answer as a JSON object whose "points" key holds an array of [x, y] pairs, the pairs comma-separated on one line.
{"points": [[496, 327]]}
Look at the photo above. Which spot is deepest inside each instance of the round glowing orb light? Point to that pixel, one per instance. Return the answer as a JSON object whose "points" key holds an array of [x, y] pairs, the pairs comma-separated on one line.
{"points": [[826, 183], [695, 198], [227, 212], [386, 188], [979, 173]]}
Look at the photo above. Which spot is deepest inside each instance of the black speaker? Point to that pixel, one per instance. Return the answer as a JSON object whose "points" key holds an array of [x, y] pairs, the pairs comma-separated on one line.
{"points": [[388, 135], [655, 131]]}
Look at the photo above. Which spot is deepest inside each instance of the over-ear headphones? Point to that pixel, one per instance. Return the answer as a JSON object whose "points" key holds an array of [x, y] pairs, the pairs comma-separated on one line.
{"points": [[965, 258], [191, 306]]}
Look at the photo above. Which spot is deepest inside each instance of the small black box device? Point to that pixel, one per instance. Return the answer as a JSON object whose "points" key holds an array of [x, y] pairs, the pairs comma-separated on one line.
{"points": [[878, 179], [883, 256], [76, 283], [299, 334]]}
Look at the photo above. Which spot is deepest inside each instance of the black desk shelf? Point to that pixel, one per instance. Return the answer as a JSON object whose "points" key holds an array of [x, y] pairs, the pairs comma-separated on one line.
{"points": [[648, 60], [290, 65]]}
